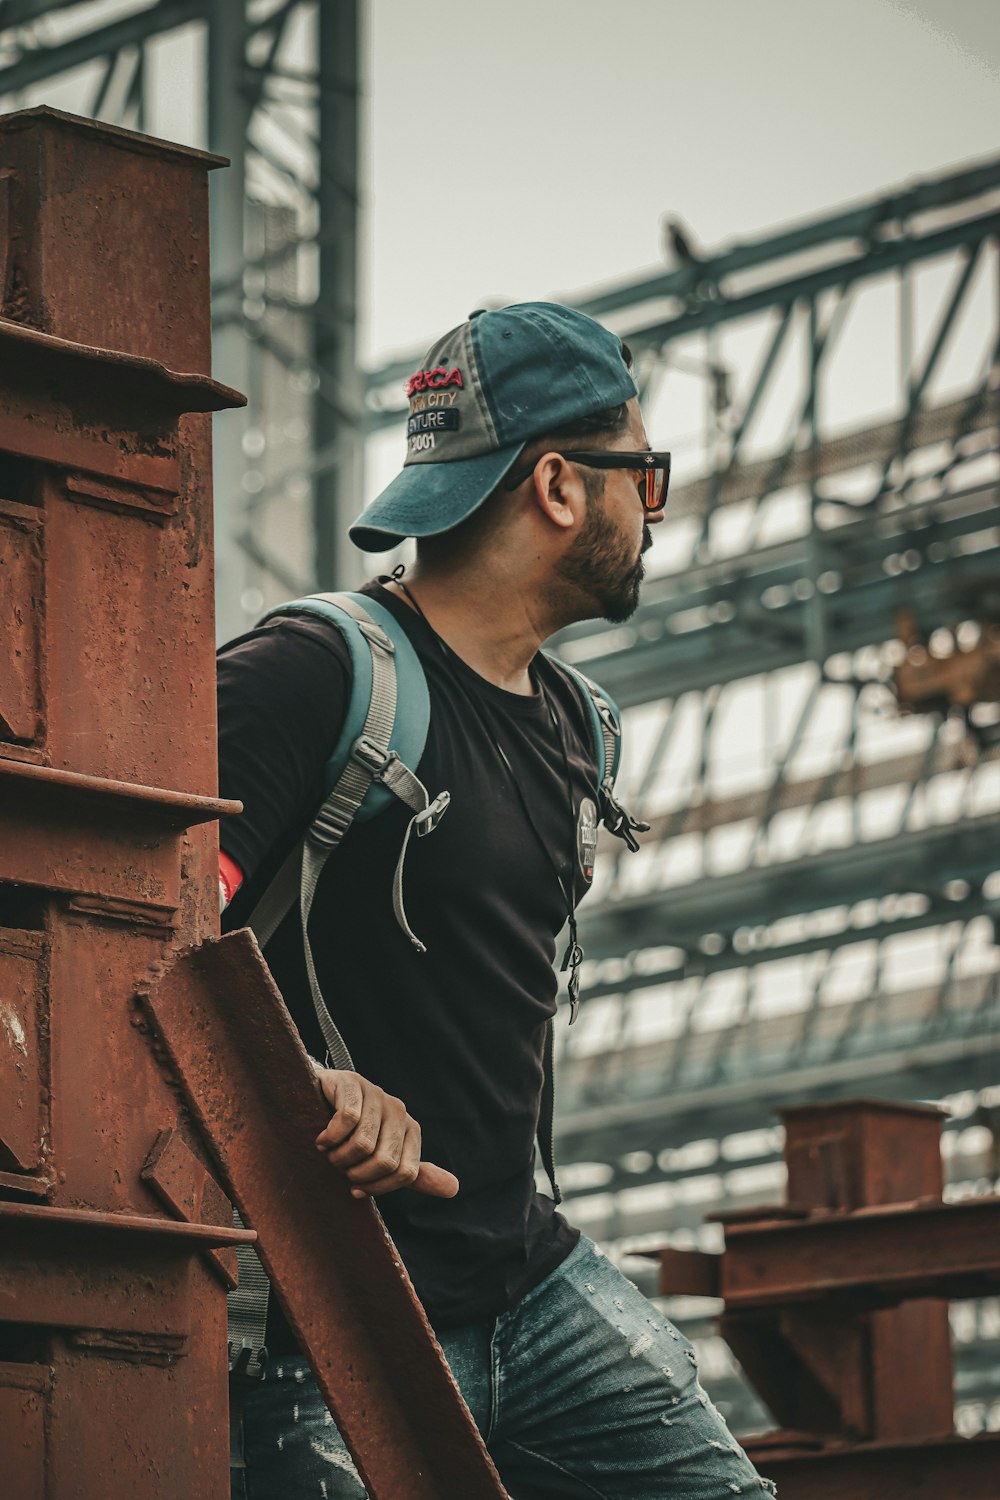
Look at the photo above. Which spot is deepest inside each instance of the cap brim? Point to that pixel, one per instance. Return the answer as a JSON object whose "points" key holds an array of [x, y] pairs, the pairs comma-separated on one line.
{"points": [[427, 498]]}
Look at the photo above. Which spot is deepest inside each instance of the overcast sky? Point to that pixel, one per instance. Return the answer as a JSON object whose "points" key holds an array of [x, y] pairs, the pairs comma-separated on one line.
{"points": [[531, 148]]}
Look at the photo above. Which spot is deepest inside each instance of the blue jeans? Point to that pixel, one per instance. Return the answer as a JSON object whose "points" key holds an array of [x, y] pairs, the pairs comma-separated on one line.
{"points": [[581, 1390]]}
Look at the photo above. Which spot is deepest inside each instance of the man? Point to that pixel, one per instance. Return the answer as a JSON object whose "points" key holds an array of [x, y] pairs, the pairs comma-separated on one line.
{"points": [[531, 491]]}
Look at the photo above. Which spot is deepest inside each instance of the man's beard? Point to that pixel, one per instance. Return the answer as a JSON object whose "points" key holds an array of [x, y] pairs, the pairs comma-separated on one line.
{"points": [[601, 566]]}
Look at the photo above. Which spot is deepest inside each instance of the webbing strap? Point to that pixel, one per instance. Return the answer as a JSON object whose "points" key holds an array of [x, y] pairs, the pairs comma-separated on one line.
{"points": [[546, 1115], [278, 900], [337, 813], [300, 872], [247, 1307]]}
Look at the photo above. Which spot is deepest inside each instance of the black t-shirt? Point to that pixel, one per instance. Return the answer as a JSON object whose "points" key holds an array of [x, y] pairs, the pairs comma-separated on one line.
{"points": [[456, 1032]]}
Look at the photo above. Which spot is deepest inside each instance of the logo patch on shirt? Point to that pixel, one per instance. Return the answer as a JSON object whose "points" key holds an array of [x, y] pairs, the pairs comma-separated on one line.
{"points": [[586, 837]]}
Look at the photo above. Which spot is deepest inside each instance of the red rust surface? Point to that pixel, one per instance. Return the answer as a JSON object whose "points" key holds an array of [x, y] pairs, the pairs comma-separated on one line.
{"points": [[939, 1469], [877, 1254], [835, 1307], [233, 1045], [860, 1152], [191, 1192], [21, 1044], [112, 1314], [20, 599], [22, 1422]]}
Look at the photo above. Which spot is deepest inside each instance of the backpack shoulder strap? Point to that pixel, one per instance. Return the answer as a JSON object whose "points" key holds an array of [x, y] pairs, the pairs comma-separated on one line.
{"points": [[606, 733], [388, 678], [369, 767]]}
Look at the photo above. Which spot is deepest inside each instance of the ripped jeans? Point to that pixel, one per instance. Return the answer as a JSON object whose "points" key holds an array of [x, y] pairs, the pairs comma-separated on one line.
{"points": [[581, 1390]]}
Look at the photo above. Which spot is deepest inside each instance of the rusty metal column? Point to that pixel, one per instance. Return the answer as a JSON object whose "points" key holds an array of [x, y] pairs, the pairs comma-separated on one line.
{"points": [[835, 1305], [882, 1374], [116, 1242]]}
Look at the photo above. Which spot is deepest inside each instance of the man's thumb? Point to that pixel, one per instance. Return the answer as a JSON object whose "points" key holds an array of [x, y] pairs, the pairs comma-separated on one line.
{"points": [[435, 1181]]}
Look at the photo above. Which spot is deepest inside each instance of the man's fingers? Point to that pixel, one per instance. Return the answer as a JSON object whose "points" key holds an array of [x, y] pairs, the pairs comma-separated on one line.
{"points": [[432, 1180], [391, 1157], [374, 1142], [368, 1179], [345, 1096]]}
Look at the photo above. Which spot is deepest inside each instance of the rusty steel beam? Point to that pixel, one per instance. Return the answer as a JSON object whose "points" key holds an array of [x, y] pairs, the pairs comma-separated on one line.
{"points": [[113, 1273], [234, 1048], [875, 1255], [966, 1468]]}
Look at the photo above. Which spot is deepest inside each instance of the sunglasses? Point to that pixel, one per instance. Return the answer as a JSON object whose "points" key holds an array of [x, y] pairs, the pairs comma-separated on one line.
{"points": [[653, 469]]}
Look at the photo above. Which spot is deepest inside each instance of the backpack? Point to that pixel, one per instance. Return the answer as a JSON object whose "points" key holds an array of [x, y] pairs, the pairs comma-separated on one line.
{"points": [[382, 738], [370, 766]]}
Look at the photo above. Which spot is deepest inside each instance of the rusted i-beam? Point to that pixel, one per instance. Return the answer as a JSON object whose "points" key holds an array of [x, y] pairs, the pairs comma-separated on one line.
{"points": [[835, 1306], [244, 1071], [112, 1297]]}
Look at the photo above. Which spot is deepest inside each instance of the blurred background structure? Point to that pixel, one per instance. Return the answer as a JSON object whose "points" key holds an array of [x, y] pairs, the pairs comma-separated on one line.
{"points": [[812, 681]]}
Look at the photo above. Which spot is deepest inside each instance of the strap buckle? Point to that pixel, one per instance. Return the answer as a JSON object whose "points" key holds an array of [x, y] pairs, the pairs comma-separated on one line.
{"points": [[246, 1366], [618, 820], [426, 821]]}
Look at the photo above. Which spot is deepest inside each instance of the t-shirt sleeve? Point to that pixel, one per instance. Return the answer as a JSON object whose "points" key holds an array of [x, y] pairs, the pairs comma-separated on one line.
{"points": [[283, 693]]}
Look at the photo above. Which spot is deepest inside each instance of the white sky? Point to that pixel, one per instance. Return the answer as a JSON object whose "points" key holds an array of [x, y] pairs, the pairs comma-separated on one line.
{"points": [[530, 149]]}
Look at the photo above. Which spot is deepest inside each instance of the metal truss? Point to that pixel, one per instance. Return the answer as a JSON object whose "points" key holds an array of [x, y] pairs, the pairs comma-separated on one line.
{"points": [[279, 84]]}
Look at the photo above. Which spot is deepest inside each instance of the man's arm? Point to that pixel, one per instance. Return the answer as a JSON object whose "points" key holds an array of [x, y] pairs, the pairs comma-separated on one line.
{"points": [[283, 694]]}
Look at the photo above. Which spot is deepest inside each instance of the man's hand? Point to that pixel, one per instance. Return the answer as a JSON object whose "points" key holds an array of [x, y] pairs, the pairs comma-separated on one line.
{"points": [[373, 1141]]}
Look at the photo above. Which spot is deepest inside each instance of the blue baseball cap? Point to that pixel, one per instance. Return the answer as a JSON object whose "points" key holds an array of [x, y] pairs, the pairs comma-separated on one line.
{"points": [[482, 392]]}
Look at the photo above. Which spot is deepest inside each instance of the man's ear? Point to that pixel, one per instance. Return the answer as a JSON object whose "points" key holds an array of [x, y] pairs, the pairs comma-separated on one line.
{"points": [[557, 490]]}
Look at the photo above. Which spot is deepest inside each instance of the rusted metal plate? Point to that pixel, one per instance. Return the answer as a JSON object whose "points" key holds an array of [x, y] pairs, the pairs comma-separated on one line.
{"points": [[23, 1073], [128, 709], [855, 1153], [186, 1186], [85, 1275], [32, 1217], [108, 840], [961, 1467], [105, 850], [689, 1273], [912, 1371], [21, 593], [248, 1080], [129, 380], [109, 237], [170, 809], [883, 1254], [75, 386], [145, 1430], [23, 1392]]}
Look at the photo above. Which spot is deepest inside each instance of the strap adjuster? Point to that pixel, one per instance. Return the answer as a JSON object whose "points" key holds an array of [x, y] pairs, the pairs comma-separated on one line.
{"points": [[374, 757], [246, 1366], [375, 635], [426, 821], [607, 718], [618, 820]]}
